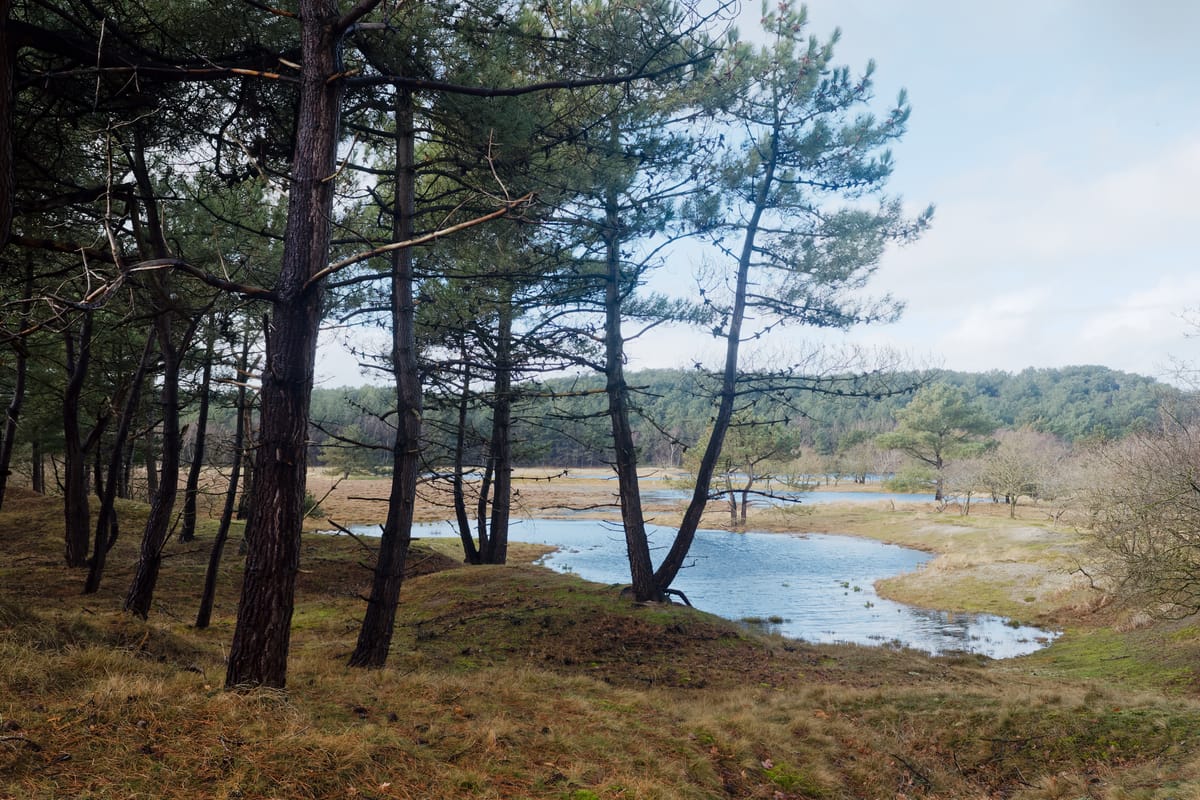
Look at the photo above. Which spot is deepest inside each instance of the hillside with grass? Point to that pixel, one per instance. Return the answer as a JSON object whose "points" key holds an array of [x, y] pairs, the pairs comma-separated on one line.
{"points": [[516, 682]]}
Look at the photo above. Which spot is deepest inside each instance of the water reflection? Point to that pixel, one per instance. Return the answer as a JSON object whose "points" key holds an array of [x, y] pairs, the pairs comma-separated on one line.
{"points": [[816, 587]]}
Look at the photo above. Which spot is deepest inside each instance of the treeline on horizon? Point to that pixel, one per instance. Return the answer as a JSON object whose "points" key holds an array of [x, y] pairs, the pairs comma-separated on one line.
{"points": [[562, 423]]}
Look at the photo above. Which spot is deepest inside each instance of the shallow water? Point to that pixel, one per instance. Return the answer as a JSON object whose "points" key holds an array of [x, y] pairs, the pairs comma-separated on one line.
{"points": [[815, 587], [817, 496]]}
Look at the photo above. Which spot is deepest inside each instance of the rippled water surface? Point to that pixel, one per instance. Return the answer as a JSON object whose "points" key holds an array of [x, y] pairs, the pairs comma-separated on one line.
{"points": [[816, 587]]}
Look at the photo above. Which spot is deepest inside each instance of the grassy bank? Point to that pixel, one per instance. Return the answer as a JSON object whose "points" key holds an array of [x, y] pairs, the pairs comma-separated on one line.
{"points": [[515, 682]]}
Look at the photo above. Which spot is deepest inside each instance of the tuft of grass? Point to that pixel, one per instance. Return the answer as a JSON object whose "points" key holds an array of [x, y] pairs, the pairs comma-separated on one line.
{"points": [[791, 779]]}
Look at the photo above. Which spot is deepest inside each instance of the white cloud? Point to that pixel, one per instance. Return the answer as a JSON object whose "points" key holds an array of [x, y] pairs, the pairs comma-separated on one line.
{"points": [[338, 365], [1028, 265], [1042, 261], [670, 346], [991, 326], [1151, 316]]}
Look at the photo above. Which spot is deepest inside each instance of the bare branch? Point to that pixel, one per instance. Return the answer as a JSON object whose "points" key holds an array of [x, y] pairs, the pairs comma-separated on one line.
{"points": [[360, 10], [358, 258], [246, 290]]}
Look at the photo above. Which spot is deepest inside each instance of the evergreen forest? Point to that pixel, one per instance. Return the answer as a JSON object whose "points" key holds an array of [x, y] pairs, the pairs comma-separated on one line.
{"points": [[194, 195], [559, 422]]}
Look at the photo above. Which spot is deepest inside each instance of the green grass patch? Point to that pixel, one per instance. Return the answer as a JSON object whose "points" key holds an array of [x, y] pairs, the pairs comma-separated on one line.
{"points": [[790, 779], [1101, 654]]}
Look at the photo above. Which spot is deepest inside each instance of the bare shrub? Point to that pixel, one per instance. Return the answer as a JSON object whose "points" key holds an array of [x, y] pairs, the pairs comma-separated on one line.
{"points": [[1145, 501]]}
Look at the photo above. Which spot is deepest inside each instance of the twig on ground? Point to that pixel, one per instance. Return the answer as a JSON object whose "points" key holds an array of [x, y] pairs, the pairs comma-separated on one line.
{"points": [[25, 740], [916, 772]]}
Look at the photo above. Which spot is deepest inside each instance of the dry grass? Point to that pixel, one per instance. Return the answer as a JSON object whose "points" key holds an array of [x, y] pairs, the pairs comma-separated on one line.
{"points": [[1022, 568], [520, 683]]}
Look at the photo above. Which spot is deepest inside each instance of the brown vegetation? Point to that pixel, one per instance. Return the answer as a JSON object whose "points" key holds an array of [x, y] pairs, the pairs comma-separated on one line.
{"points": [[514, 682]]}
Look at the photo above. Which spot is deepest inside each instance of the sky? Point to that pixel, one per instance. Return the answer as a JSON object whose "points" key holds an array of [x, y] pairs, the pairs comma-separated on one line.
{"points": [[1060, 143]]}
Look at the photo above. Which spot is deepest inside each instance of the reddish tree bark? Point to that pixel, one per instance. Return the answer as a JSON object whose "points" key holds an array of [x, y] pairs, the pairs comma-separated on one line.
{"points": [[258, 654]]}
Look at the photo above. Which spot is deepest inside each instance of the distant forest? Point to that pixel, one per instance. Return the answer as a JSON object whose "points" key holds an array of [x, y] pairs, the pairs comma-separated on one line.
{"points": [[562, 422]]}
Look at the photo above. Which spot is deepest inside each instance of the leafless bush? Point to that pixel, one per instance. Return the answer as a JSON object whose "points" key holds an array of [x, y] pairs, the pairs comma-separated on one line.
{"points": [[1145, 500]]}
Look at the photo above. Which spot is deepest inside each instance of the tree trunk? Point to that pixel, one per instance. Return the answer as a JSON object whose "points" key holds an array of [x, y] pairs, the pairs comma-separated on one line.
{"points": [[258, 653], [481, 505], [98, 472], [375, 636], [470, 551], [37, 463], [75, 489], [107, 528], [124, 491], [243, 503], [9, 435], [746, 496], [187, 531], [637, 544], [497, 546], [669, 569], [8, 57], [162, 505], [208, 595], [10, 425], [151, 464]]}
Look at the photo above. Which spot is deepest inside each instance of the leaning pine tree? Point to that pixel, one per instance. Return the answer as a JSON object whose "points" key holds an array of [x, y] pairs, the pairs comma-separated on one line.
{"points": [[797, 206]]}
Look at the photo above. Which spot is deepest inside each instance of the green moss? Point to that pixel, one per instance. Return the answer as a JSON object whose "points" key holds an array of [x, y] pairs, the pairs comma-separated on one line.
{"points": [[1190, 633], [790, 779], [313, 616], [1106, 655], [1099, 733]]}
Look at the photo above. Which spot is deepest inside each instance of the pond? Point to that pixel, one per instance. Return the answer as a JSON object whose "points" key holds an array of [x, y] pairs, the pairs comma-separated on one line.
{"points": [[816, 496], [815, 587]]}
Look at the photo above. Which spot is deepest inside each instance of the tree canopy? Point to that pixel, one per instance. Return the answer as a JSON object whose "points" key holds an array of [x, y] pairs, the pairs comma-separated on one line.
{"points": [[939, 424], [190, 194]]}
